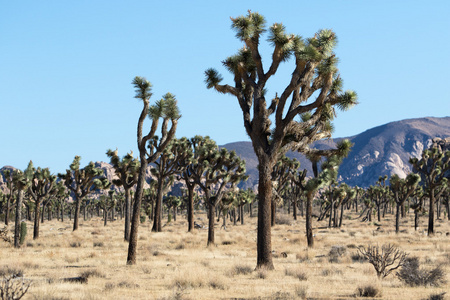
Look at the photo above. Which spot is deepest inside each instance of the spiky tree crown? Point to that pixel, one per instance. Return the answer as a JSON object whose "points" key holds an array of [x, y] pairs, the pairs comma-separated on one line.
{"points": [[315, 71]]}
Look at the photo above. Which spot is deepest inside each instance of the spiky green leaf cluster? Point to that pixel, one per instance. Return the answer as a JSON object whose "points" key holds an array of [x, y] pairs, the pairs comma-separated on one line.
{"points": [[142, 88], [166, 108], [212, 78], [347, 100], [249, 27]]}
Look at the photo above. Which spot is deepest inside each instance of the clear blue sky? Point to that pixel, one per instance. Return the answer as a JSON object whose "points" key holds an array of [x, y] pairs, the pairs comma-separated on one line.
{"points": [[66, 68]]}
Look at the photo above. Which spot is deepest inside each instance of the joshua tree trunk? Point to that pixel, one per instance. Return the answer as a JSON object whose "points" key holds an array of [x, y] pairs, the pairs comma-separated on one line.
{"points": [[379, 212], [62, 211], [342, 215], [127, 215], [18, 218], [234, 216], [158, 207], [309, 234], [264, 240], [294, 208], [397, 218], [416, 219], [438, 208], [331, 212], [8, 204], [132, 246], [335, 220], [274, 211], [211, 223], [76, 213], [242, 214], [431, 213], [224, 225], [190, 208], [105, 217], [37, 212]]}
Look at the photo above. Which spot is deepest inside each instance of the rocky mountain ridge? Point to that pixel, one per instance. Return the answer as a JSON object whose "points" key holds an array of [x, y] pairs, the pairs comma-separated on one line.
{"points": [[379, 151]]}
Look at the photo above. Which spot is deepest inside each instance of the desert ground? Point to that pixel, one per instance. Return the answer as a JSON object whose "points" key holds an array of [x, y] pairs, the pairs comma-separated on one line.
{"points": [[175, 264]]}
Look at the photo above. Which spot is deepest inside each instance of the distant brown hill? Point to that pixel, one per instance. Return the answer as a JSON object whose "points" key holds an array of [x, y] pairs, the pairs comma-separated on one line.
{"points": [[382, 150]]}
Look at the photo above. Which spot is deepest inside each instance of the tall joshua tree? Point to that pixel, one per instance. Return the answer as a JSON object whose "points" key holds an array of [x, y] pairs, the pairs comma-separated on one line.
{"points": [[172, 161], [127, 171], [41, 186], [82, 182], [402, 189], [314, 72], [167, 110], [432, 167]]}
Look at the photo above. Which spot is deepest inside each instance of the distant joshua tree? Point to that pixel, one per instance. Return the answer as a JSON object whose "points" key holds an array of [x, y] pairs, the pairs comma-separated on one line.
{"points": [[41, 186], [222, 169], [194, 170], [282, 172], [172, 161], [432, 167], [21, 181], [314, 73], [167, 110], [82, 182], [402, 189], [127, 171]]}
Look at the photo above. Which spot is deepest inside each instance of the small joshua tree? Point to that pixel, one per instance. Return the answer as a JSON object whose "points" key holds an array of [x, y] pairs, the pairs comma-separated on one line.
{"points": [[40, 187], [432, 166], [82, 182], [384, 260], [127, 171], [22, 181]]}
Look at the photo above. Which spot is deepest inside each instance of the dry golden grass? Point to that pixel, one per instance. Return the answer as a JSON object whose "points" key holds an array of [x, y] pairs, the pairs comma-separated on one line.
{"points": [[175, 264]]}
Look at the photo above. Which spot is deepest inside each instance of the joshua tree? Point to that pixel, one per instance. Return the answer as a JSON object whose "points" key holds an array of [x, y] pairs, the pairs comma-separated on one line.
{"points": [[127, 171], [10, 197], [402, 189], [327, 175], [107, 203], [344, 194], [40, 187], [172, 161], [221, 170], [228, 200], [244, 197], [314, 72], [432, 167], [167, 110], [375, 193], [82, 182], [194, 170], [21, 181], [61, 194], [282, 172]]}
